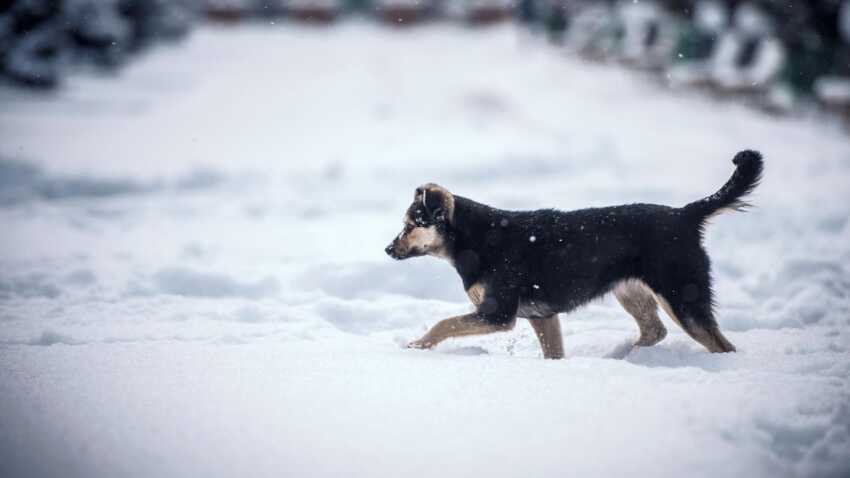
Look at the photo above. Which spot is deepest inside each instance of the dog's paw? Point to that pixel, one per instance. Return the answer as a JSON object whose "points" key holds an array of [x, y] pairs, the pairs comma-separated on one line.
{"points": [[419, 344]]}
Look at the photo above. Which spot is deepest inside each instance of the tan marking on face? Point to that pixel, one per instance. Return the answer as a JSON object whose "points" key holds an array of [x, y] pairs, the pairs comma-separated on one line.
{"points": [[422, 240]]}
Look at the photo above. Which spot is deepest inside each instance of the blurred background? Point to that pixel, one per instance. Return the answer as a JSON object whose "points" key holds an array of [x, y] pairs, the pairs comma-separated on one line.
{"points": [[195, 197], [780, 56]]}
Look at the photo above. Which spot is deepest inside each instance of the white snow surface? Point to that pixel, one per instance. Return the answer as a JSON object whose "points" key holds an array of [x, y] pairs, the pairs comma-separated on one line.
{"points": [[193, 280]]}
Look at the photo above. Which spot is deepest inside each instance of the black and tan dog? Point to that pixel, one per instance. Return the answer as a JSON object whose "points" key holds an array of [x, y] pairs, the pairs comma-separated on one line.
{"points": [[536, 264]]}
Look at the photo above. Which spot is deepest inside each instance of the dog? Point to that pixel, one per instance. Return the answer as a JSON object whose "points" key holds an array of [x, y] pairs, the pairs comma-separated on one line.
{"points": [[538, 264]]}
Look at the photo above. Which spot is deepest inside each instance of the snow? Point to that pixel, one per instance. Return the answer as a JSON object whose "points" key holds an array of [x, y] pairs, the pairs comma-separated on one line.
{"points": [[193, 282]]}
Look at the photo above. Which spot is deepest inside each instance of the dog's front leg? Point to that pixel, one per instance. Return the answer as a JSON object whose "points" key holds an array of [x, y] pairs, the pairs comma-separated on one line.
{"points": [[548, 331], [469, 324]]}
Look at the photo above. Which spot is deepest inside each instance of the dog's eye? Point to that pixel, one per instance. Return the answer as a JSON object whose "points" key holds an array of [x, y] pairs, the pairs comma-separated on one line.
{"points": [[408, 228]]}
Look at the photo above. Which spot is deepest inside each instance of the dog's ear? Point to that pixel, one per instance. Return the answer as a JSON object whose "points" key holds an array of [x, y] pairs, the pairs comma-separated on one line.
{"points": [[437, 201]]}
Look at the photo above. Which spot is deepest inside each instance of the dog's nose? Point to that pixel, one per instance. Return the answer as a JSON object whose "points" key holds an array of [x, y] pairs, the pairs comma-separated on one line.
{"points": [[389, 250]]}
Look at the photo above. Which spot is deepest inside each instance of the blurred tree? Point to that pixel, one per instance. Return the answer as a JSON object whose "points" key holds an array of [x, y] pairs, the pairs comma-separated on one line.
{"points": [[698, 37], [527, 12], [98, 32], [556, 21], [151, 19], [33, 42], [39, 37]]}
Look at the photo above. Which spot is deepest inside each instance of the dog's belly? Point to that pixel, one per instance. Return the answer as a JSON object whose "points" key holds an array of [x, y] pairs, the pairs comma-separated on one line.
{"points": [[533, 309]]}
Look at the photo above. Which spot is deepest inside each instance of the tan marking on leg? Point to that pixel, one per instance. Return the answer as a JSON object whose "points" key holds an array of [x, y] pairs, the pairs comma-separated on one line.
{"points": [[461, 326], [710, 338], [640, 302], [476, 294], [737, 206], [667, 309], [721, 344], [548, 332]]}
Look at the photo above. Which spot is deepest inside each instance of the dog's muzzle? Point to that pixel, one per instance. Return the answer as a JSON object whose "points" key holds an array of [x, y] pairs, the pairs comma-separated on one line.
{"points": [[390, 250]]}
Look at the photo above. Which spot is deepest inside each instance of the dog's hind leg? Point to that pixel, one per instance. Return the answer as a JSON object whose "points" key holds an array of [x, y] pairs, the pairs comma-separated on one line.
{"points": [[548, 331], [639, 302], [687, 299], [698, 322]]}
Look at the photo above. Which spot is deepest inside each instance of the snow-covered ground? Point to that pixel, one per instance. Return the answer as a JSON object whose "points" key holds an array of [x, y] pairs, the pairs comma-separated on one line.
{"points": [[193, 282]]}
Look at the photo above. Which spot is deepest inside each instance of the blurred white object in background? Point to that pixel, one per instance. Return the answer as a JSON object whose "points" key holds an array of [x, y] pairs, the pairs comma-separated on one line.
{"points": [[753, 55], [746, 59], [649, 35], [766, 62], [592, 33], [711, 16], [751, 20], [710, 20], [833, 89]]}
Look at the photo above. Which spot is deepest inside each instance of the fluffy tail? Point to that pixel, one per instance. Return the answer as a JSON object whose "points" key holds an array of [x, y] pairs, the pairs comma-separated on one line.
{"points": [[744, 180]]}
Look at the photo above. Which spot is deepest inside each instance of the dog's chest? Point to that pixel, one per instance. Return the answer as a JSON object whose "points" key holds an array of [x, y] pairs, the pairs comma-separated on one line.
{"points": [[528, 308], [534, 309]]}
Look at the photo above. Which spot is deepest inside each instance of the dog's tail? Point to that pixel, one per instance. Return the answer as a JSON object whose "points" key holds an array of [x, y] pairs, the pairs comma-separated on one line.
{"points": [[747, 175]]}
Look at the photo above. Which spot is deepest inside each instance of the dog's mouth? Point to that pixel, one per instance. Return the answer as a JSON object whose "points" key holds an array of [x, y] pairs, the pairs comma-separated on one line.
{"points": [[392, 252]]}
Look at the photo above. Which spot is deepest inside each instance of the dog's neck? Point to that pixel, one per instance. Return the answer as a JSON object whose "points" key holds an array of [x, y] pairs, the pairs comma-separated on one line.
{"points": [[463, 247], [471, 217]]}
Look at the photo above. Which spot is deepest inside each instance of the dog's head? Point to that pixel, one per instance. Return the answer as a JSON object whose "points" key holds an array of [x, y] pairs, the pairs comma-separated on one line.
{"points": [[427, 225]]}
